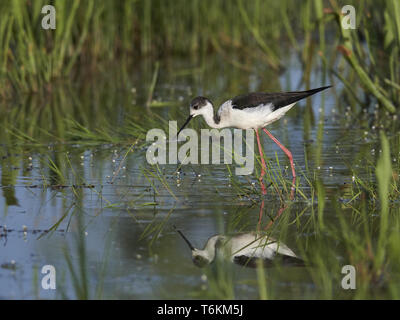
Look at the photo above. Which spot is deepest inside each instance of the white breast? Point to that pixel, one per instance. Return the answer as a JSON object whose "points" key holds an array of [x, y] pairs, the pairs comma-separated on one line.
{"points": [[251, 245], [250, 118]]}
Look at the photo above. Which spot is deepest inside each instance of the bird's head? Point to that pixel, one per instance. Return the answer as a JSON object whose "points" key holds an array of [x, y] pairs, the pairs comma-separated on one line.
{"points": [[200, 258], [198, 106]]}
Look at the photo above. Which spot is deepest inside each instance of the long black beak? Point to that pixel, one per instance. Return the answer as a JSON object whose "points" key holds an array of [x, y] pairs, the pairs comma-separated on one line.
{"points": [[184, 125], [184, 238]]}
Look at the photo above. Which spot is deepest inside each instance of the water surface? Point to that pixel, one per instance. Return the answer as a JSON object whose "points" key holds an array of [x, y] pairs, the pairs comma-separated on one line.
{"points": [[105, 221]]}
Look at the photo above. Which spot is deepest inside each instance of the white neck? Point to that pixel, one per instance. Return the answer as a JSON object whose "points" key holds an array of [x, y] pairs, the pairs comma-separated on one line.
{"points": [[209, 118], [210, 247]]}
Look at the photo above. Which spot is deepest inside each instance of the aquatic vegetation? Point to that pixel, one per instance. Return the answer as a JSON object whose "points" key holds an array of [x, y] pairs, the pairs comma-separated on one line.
{"points": [[77, 192], [203, 26]]}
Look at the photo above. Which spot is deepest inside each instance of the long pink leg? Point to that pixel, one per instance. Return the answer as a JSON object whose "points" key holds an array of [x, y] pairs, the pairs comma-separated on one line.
{"points": [[288, 153], [263, 166], [280, 211], [260, 215]]}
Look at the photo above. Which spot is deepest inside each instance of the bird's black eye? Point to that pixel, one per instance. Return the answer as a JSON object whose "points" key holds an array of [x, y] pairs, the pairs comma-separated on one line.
{"points": [[196, 106]]}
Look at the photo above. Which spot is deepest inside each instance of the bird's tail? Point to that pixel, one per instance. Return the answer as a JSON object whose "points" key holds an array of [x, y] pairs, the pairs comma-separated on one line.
{"points": [[314, 91], [288, 98]]}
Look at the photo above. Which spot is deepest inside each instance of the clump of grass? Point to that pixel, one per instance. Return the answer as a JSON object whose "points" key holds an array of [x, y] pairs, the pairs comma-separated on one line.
{"points": [[31, 58], [364, 55]]}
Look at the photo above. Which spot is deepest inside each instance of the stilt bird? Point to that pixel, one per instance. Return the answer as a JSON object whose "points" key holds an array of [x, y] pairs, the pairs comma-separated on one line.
{"points": [[251, 111]]}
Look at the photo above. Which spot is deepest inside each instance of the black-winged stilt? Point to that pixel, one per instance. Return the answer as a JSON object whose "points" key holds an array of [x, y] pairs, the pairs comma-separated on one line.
{"points": [[243, 249], [252, 111]]}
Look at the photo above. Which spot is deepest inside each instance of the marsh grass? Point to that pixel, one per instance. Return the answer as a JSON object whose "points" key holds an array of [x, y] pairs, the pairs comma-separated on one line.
{"points": [[329, 226], [32, 58]]}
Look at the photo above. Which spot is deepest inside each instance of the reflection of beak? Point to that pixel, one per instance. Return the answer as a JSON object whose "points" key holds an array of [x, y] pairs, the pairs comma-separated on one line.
{"points": [[184, 125], [182, 235]]}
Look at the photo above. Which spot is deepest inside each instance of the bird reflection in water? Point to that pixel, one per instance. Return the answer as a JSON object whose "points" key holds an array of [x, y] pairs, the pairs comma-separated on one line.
{"points": [[244, 249]]}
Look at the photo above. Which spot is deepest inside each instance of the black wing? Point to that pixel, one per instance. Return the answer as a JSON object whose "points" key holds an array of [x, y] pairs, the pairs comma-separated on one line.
{"points": [[251, 262], [245, 261], [278, 99]]}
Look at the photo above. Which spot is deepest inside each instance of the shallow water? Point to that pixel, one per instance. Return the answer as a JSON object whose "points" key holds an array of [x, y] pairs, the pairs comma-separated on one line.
{"points": [[110, 227]]}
